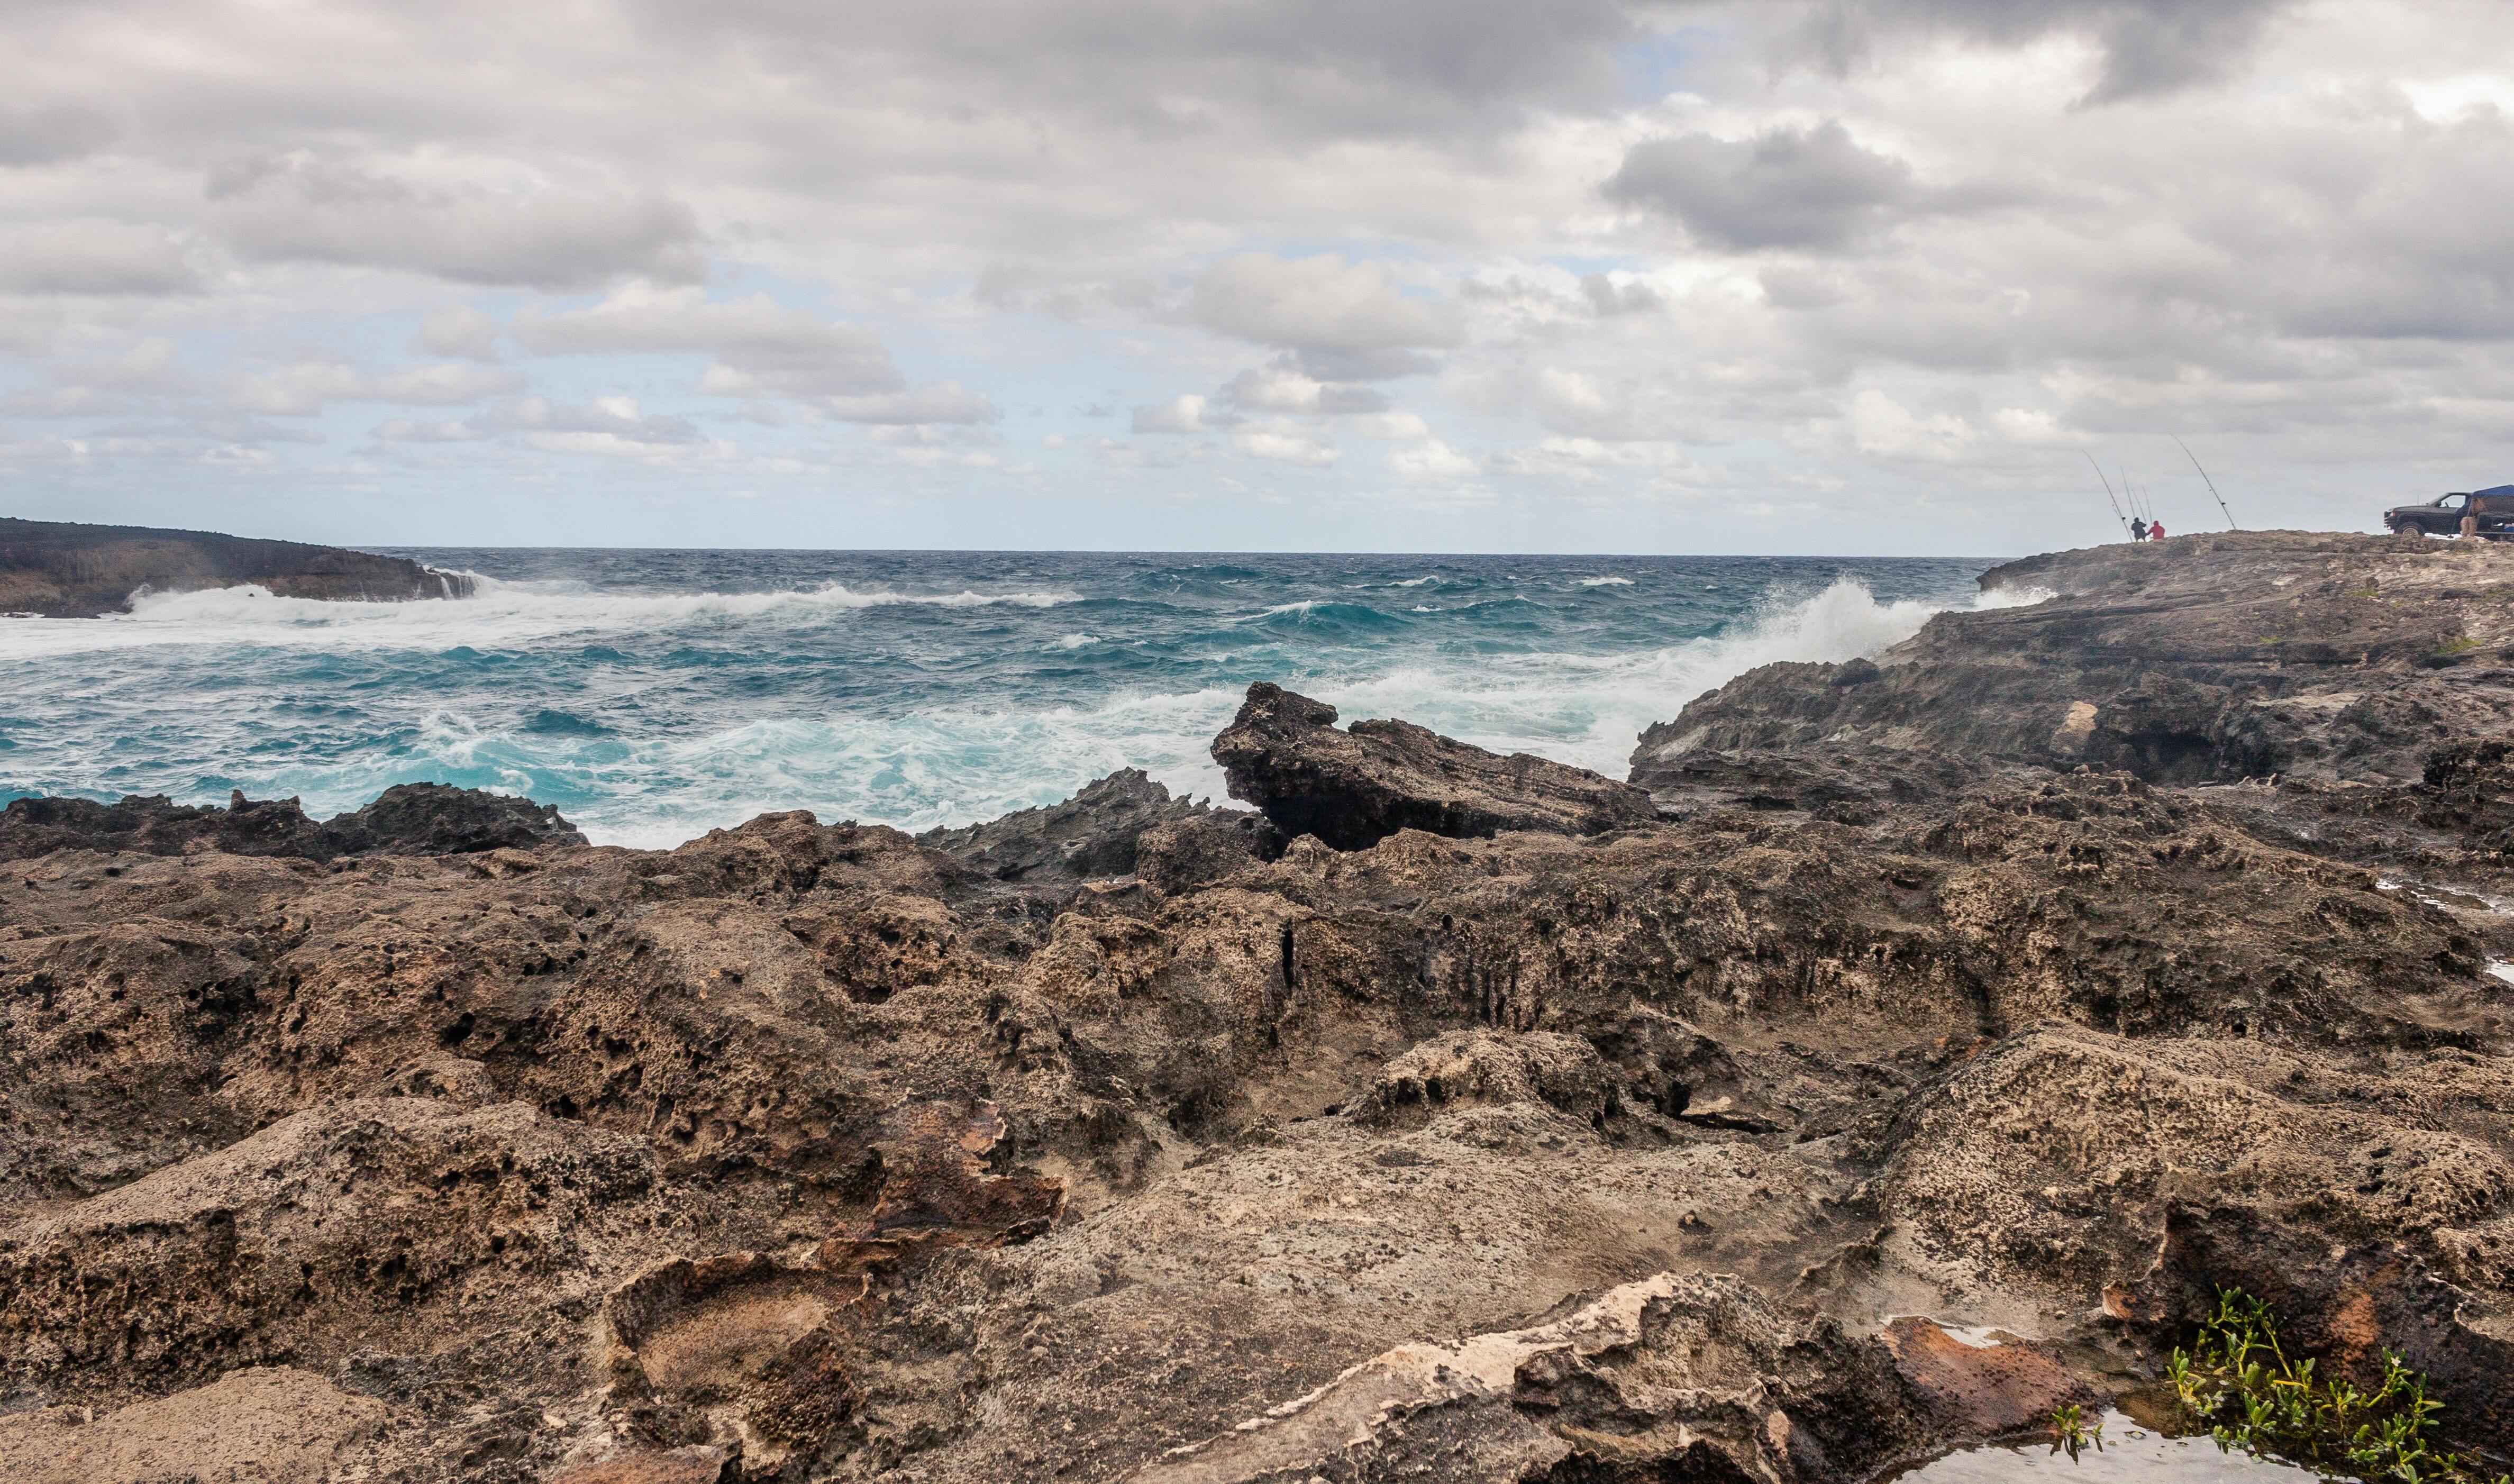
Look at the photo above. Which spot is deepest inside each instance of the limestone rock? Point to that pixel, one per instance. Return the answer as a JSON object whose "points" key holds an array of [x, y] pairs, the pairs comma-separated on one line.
{"points": [[1354, 787]]}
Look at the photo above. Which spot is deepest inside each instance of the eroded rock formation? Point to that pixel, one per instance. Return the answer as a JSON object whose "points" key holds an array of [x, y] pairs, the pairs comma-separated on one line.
{"points": [[1352, 788], [63, 570], [1906, 1080]]}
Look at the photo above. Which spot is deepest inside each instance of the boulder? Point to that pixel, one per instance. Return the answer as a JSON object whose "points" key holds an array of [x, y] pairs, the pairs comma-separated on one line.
{"points": [[1099, 833], [406, 820], [1355, 788]]}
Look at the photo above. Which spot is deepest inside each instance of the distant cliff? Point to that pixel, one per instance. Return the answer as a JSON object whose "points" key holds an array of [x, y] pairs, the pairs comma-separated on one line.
{"points": [[62, 570]]}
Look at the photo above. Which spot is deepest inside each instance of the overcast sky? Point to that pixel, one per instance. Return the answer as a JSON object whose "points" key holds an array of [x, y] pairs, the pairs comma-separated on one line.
{"points": [[1274, 274]]}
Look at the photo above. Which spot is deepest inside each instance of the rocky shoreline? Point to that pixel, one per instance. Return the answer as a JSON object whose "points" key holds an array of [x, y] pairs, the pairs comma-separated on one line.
{"points": [[65, 570], [1902, 1052]]}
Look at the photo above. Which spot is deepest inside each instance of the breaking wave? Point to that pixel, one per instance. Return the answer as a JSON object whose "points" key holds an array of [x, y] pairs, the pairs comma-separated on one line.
{"points": [[653, 696]]}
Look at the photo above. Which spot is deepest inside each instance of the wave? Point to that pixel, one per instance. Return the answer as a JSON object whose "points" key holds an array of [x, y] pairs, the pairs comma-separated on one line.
{"points": [[1417, 581], [499, 613], [649, 718], [1323, 612], [1606, 582], [1589, 709]]}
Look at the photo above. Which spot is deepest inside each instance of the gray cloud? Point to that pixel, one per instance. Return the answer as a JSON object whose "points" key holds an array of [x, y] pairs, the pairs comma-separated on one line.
{"points": [[95, 258], [1806, 189], [63, 129], [1306, 68], [1284, 389], [2150, 46], [459, 330], [304, 390], [1344, 321], [607, 425], [297, 207], [760, 345], [936, 402]]}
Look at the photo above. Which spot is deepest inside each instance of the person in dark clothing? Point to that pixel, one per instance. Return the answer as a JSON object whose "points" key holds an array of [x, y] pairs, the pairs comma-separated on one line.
{"points": [[2138, 529]]}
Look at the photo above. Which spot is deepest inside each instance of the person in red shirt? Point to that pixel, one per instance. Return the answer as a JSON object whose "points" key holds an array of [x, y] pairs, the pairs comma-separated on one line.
{"points": [[2156, 531]]}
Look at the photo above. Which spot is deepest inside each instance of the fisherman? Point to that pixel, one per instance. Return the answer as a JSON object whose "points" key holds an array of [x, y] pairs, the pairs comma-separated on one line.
{"points": [[2138, 529], [2156, 532]]}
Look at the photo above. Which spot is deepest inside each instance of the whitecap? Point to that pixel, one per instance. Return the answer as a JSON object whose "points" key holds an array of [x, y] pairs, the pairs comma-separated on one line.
{"points": [[1606, 582]]}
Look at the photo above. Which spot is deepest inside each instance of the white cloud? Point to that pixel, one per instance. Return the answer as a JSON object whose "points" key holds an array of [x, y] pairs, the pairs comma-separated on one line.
{"points": [[1182, 414], [1431, 461], [1387, 425], [1348, 321], [1882, 426], [1284, 388], [1284, 443], [298, 207], [459, 330], [95, 258], [2271, 228], [1589, 455], [302, 391], [613, 426], [760, 345], [937, 402]]}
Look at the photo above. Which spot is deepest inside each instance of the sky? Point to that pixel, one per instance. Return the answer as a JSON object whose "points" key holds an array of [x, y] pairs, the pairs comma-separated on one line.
{"points": [[1797, 276]]}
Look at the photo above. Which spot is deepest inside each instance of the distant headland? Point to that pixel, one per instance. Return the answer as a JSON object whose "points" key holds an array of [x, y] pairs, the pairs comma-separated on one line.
{"points": [[65, 570]]}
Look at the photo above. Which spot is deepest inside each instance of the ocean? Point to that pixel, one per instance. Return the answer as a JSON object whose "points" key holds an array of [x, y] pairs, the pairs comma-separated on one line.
{"points": [[655, 694]]}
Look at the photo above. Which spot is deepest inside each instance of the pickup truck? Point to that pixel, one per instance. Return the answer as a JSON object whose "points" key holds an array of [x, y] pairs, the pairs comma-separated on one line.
{"points": [[2495, 508]]}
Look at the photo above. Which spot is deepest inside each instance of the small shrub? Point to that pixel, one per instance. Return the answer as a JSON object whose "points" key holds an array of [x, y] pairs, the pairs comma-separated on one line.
{"points": [[2238, 1380]]}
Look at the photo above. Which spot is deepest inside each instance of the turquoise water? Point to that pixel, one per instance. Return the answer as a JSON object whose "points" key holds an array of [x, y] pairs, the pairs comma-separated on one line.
{"points": [[653, 695]]}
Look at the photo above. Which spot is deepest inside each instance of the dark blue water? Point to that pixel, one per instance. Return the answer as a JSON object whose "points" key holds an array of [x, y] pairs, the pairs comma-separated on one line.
{"points": [[653, 695]]}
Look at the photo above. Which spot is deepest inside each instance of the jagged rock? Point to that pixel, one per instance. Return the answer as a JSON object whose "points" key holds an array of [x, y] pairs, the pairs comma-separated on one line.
{"points": [[1469, 1067], [70, 570], [2202, 659], [406, 820], [1202, 849], [1100, 832], [1355, 788], [341, 1224], [817, 1152], [257, 1425], [1679, 1374], [437, 820]]}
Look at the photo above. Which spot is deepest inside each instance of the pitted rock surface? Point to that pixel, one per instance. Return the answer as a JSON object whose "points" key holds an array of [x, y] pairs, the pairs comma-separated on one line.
{"points": [[1366, 1142]]}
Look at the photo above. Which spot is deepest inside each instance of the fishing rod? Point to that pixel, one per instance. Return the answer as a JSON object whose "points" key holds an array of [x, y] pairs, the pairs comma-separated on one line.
{"points": [[2109, 496], [2210, 483]]}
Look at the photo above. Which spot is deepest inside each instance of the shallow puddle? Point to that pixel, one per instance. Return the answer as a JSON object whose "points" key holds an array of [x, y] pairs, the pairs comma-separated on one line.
{"points": [[2131, 1454]]}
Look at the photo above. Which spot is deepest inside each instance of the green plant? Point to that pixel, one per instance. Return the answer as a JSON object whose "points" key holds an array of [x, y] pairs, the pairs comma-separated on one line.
{"points": [[2070, 1430], [2238, 1380]]}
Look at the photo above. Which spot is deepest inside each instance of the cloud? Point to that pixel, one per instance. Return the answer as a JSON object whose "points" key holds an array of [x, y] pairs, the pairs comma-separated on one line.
{"points": [[762, 346], [607, 426], [1880, 425], [459, 330], [1183, 415], [1285, 443], [935, 402], [1285, 389], [300, 208], [1385, 425], [302, 391], [1589, 456], [2148, 48], [1345, 321], [1612, 294], [104, 258], [62, 128], [1430, 461], [1812, 189]]}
